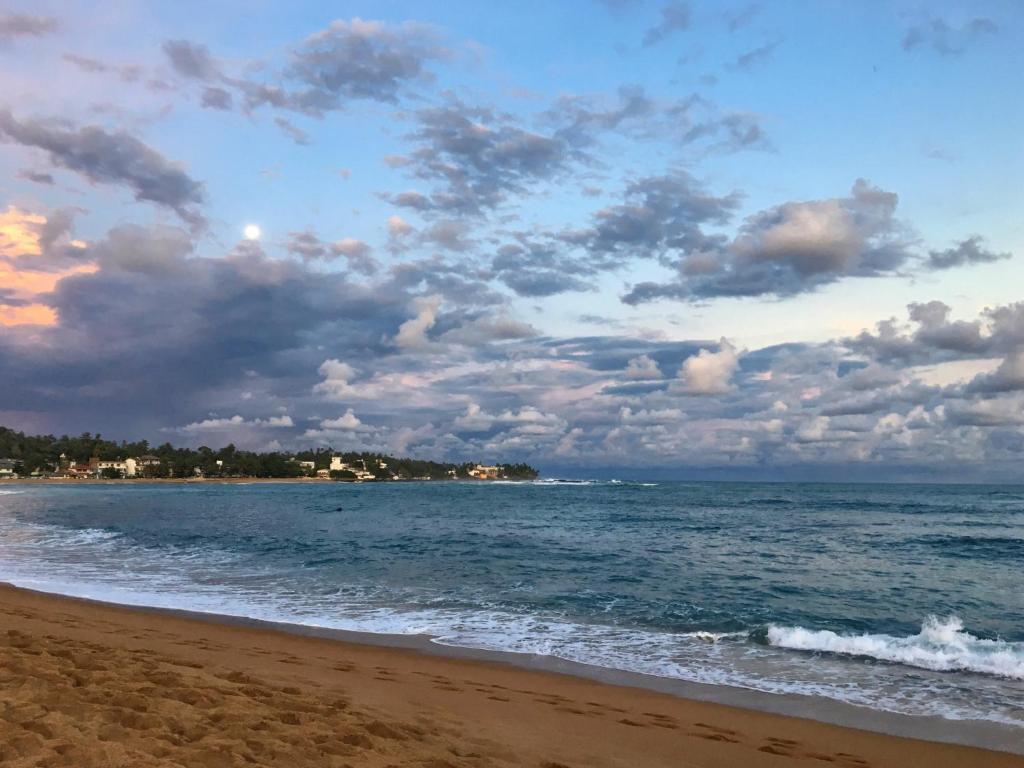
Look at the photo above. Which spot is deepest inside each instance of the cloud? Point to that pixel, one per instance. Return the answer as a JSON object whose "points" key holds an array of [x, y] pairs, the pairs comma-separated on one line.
{"points": [[945, 39], [583, 120], [790, 249], [210, 425], [337, 377], [128, 73], [347, 422], [292, 131], [357, 253], [642, 367], [675, 17], [756, 56], [15, 25], [347, 60], [360, 59], [294, 342], [37, 177], [111, 158], [412, 334], [709, 373], [477, 157], [217, 98], [660, 213], [1008, 377], [736, 20], [936, 338], [968, 251], [191, 60]]}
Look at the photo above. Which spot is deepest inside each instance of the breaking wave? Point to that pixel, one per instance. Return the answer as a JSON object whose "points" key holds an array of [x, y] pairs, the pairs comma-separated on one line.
{"points": [[942, 645]]}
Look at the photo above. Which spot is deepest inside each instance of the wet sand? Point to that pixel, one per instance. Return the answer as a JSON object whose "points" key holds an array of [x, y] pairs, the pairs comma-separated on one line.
{"points": [[88, 684]]}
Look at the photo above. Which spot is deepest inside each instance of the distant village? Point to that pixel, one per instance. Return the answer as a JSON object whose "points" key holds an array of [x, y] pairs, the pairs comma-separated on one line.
{"points": [[142, 467], [90, 457]]}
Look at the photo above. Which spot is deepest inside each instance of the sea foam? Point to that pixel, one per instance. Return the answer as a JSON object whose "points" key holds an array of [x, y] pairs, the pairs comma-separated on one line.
{"points": [[942, 645]]}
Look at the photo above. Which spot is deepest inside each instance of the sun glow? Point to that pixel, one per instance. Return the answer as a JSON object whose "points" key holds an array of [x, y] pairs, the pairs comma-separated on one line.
{"points": [[251, 232]]}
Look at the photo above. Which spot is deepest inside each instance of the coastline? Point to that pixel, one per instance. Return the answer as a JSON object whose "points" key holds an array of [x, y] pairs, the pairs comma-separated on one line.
{"points": [[227, 481], [408, 700]]}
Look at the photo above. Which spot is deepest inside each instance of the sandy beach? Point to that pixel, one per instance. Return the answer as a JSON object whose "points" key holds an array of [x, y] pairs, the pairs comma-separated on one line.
{"points": [[88, 684]]}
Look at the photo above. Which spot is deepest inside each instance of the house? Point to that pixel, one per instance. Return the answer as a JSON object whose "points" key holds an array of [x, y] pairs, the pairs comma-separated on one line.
{"points": [[8, 468], [149, 460], [308, 465], [337, 464], [127, 467], [482, 472]]}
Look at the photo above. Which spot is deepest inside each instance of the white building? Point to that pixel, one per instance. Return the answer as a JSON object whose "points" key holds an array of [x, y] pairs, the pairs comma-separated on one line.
{"points": [[127, 467]]}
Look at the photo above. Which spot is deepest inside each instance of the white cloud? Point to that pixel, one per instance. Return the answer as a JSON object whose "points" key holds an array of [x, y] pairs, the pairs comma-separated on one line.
{"points": [[709, 373], [412, 334], [337, 376], [348, 421], [209, 425], [642, 367]]}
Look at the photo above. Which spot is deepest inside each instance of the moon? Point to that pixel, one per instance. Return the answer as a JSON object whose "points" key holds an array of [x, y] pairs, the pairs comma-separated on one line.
{"points": [[251, 232]]}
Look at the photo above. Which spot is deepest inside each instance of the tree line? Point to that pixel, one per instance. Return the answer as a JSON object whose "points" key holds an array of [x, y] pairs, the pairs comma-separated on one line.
{"points": [[42, 454]]}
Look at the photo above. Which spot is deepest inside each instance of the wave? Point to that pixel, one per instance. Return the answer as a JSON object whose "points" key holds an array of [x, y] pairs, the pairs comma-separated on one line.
{"points": [[942, 645], [554, 481]]}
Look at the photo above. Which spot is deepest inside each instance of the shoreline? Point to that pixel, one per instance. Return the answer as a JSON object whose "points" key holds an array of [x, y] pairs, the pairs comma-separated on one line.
{"points": [[785, 712], [230, 481]]}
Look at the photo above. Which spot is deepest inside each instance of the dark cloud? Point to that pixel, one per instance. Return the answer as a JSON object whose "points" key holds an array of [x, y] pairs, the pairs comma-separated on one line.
{"points": [[966, 252], [292, 131], [191, 60], [582, 121], [217, 98], [1008, 377], [756, 56], [477, 157], [935, 337], [532, 269], [347, 60], [945, 39], [363, 60], [791, 248], [660, 214], [675, 17], [36, 177], [110, 158], [15, 25], [736, 20], [311, 248], [128, 73]]}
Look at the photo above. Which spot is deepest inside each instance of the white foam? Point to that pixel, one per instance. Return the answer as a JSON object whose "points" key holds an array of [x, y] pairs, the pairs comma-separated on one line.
{"points": [[941, 645], [714, 637]]}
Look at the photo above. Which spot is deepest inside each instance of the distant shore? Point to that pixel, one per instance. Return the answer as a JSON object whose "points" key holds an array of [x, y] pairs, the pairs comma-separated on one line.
{"points": [[91, 684], [226, 480]]}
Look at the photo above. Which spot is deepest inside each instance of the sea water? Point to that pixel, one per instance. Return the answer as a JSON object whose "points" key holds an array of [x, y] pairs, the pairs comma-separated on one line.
{"points": [[906, 599]]}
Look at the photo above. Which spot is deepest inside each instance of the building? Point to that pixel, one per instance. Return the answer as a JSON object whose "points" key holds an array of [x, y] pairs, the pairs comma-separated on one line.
{"points": [[8, 468], [358, 469], [482, 472], [127, 467]]}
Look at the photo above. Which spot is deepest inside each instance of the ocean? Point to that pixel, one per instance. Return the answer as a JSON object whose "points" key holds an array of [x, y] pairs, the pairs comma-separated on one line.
{"points": [[904, 599]]}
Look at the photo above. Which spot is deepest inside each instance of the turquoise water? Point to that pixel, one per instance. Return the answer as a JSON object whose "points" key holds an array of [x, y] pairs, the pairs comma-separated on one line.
{"points": [[902, 598]]}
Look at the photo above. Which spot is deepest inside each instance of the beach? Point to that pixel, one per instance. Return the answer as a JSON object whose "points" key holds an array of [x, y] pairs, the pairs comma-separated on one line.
{"points": [[91, 684]]}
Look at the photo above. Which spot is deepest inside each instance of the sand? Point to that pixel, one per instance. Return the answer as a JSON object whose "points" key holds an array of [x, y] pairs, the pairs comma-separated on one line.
{"points": [[88, 684]]}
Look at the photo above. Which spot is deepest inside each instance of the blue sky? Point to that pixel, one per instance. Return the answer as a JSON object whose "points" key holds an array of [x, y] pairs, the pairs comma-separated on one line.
{"points": [[790, 175]]}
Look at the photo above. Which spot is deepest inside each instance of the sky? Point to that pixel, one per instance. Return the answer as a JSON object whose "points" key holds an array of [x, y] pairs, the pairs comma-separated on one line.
{"points": [[619, 238]]}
